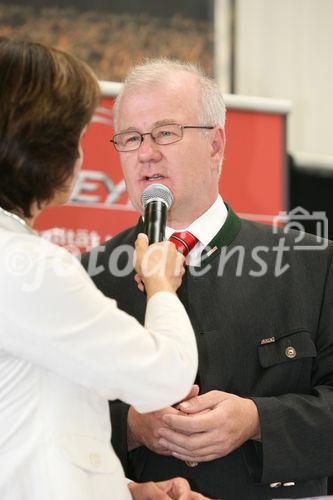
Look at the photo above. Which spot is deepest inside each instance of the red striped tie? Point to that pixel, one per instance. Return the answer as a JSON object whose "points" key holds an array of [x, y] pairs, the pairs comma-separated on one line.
{"points": [[184, 241]]}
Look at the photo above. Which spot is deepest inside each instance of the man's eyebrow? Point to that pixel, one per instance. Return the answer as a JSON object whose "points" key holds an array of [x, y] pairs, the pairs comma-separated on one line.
{"points": [[167, 121], [128, 129]]}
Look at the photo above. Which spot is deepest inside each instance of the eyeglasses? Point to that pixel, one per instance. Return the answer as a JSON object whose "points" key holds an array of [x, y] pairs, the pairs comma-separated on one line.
{"points": [[162, 135]]}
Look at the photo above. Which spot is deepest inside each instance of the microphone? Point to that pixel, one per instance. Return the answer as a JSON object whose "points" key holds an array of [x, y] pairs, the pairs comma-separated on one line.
{"points": [[156, 200]]}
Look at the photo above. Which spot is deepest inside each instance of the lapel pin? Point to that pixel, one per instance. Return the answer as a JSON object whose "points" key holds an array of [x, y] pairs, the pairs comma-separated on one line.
{"points": [[212, 250]]}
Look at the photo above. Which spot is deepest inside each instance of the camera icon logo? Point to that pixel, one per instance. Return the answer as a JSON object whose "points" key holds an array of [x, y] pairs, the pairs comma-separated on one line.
{"points": [[304, 222]]}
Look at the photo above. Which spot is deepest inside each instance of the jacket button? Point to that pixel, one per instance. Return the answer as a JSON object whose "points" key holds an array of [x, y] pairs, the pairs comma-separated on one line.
{"points": [[290, 352], [95, 459]]}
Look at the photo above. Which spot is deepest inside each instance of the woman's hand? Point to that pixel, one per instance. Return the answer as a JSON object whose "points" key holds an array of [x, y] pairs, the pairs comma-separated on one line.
{"points": [[159, 266], [176, 488]]}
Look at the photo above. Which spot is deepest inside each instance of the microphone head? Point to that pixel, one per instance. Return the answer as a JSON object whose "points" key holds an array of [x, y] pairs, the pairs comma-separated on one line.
{"points": [[157, 192]]}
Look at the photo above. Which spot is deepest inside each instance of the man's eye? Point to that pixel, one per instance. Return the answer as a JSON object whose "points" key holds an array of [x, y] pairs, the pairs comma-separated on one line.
{"points": [[130, 139], [165, 133]]}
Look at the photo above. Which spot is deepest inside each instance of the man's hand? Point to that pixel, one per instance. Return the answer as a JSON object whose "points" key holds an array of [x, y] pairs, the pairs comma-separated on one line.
{"points": [[144, 429], [176, 488], [215, 424]]}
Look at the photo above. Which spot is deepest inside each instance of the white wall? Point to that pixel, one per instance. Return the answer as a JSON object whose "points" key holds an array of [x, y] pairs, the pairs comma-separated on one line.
{"points": [[284, 48]]}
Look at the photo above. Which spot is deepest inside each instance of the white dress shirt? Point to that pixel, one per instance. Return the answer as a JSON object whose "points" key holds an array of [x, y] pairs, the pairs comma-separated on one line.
{"points": [[204, 228], [65, 349]]}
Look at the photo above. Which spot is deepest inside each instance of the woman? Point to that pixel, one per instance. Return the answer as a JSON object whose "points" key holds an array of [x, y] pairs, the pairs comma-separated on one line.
{"points": [[65, 349]]}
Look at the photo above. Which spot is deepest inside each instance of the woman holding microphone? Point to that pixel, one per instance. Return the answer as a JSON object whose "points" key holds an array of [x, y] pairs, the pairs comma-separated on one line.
{"points": [[65, 349]]}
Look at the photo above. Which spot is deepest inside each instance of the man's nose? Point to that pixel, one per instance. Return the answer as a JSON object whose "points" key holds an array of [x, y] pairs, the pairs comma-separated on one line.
{"points": [[149, 149]]}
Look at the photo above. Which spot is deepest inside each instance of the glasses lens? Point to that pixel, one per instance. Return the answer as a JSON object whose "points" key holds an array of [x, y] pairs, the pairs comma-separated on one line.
{"points": [[166, 134], [127, 141]]}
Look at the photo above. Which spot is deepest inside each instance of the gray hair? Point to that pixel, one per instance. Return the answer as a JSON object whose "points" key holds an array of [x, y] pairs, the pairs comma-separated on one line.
{"points": [[152, 72]]}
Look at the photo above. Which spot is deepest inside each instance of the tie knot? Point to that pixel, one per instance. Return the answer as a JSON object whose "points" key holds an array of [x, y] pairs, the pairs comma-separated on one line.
{"points": [[184, 241]]}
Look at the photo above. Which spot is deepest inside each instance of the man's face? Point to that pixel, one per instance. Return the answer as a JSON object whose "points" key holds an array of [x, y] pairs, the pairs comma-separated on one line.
{"points": [[188, 167]]}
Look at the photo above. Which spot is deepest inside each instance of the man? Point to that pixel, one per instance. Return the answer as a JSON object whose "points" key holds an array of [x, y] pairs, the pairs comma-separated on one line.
{"points": [[262, 426]]}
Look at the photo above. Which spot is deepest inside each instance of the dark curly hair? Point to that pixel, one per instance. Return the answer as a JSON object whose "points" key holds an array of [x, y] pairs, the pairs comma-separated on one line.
{"points": [[47, 97]]}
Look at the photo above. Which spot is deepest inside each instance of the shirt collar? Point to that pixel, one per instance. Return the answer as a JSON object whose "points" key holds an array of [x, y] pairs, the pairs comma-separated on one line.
{"points": [[13, 222], [207, 225]]}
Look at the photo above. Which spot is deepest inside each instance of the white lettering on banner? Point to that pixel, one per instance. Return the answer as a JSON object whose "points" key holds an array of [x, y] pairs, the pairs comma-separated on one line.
{"points": [[91, 181], [100, 118], [75, 240]]}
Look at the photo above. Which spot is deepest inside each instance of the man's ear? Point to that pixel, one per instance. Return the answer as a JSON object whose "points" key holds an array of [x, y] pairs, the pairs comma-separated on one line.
{"points": [[218, 144]]}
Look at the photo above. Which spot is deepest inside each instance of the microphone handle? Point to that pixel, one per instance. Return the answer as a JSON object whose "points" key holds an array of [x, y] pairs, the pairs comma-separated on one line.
{"points": [[155, 220]]}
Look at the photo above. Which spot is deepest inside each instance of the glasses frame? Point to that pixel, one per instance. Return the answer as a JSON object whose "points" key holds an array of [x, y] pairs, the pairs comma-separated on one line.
{"points": [[181, 127]]}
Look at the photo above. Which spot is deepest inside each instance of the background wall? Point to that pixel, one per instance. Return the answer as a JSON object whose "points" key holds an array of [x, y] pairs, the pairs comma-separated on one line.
{"points": [[284, 49], [111, 35]]}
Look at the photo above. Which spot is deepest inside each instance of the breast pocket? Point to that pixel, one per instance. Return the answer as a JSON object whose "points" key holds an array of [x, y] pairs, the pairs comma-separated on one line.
{"points": [[80, 467], [286, 361], [89, 454], [286, 348]]}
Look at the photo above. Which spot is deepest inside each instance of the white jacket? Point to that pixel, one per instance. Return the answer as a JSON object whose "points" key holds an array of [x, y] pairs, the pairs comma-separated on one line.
{"points": [[65, 349]]}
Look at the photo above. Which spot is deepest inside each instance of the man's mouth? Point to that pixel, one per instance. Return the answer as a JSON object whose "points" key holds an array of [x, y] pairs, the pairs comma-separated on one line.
{"points": [[155, 177]]}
